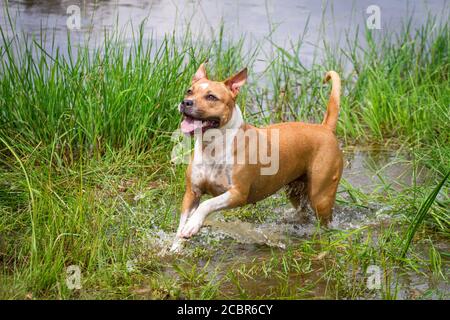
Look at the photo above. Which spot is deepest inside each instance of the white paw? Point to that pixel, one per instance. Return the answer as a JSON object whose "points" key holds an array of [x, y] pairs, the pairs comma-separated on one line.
{"points": [[191, 228], [177, 245]]}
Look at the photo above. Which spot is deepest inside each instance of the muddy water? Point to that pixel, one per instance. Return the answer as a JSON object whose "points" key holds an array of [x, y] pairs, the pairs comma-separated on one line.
{"points": [[365, 170], [233, 243], [368, 168]]}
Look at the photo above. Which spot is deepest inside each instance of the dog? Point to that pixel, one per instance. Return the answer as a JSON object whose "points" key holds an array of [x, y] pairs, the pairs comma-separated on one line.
{"points": [[310, 161]]}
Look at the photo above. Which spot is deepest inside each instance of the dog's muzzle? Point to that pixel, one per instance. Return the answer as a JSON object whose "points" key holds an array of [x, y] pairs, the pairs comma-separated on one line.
{"points": [[193, 123]]}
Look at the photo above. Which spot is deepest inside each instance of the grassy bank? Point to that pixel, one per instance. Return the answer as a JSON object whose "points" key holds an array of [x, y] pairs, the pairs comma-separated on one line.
{"points": [[85, 171]]}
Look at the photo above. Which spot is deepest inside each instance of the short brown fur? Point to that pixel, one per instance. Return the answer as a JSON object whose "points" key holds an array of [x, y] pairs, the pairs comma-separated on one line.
{"points": [[309, 155]]}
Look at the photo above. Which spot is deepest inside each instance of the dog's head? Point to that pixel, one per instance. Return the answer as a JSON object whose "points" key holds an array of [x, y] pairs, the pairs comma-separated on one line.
{"points": [[209, 104]]}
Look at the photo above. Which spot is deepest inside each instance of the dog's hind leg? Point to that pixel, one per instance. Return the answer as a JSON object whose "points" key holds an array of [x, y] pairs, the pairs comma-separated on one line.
{"points": [[322, 189], [297, 192], [323, 206]]}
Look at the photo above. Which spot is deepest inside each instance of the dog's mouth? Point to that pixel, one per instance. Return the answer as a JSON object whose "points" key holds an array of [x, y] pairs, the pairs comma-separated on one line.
{"points": [[191, 125]]}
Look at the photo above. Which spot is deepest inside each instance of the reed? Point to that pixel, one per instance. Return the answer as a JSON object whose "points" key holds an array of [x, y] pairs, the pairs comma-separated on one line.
{"points": [[85, 149]]}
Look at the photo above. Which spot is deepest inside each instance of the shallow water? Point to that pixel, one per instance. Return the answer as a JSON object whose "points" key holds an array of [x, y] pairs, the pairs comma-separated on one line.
{"points": [[233, 242], [367, 168]]}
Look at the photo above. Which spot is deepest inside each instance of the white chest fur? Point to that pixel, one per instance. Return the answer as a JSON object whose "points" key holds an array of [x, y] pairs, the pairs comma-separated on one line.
{"points": [[215, 168]]}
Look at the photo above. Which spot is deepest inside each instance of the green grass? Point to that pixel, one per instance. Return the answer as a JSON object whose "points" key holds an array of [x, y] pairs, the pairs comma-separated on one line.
{"points": [[85, 172]]}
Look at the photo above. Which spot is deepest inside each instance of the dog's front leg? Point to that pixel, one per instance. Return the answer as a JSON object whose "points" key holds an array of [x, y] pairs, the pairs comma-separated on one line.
{"points": [[230, 199], [190, 204]]}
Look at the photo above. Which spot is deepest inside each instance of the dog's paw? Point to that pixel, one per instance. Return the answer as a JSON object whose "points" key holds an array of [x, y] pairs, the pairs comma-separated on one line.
{"points": [[177, 245], [191, 228]]}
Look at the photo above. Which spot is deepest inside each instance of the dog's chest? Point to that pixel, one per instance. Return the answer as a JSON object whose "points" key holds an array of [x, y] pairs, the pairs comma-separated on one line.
{"points": [[214, 179]]}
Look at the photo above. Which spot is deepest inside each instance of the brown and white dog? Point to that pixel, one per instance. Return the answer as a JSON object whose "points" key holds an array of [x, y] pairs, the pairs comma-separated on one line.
{"points": [[309, 159]]}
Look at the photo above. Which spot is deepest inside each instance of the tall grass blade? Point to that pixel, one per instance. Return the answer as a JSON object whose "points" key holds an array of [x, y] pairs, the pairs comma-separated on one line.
{"points": [[420, 216]]}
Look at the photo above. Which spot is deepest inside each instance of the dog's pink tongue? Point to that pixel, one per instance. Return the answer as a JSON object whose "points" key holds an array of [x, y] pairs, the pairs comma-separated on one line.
{"points": [[189, 125]]}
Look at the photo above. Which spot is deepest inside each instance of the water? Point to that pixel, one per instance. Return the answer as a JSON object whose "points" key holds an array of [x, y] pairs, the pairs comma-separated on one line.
{"points": [[282, 20], [232, 243], [382, 167], [365, 170]]}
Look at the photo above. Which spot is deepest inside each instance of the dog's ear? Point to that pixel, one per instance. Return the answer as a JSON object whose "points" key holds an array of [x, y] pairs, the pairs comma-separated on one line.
{"points": [[235, 82], [200, 74]]}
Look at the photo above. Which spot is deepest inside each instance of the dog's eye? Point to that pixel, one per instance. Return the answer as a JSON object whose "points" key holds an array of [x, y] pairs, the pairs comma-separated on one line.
{"points": [[211, 97], [189, 92]]}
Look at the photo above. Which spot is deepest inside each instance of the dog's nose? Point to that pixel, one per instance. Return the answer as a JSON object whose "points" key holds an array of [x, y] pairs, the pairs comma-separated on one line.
{"points": [[188, 103]]}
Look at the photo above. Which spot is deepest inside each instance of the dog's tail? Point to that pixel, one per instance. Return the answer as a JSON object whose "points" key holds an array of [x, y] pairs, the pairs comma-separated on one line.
{"points": [[331, 116]]}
